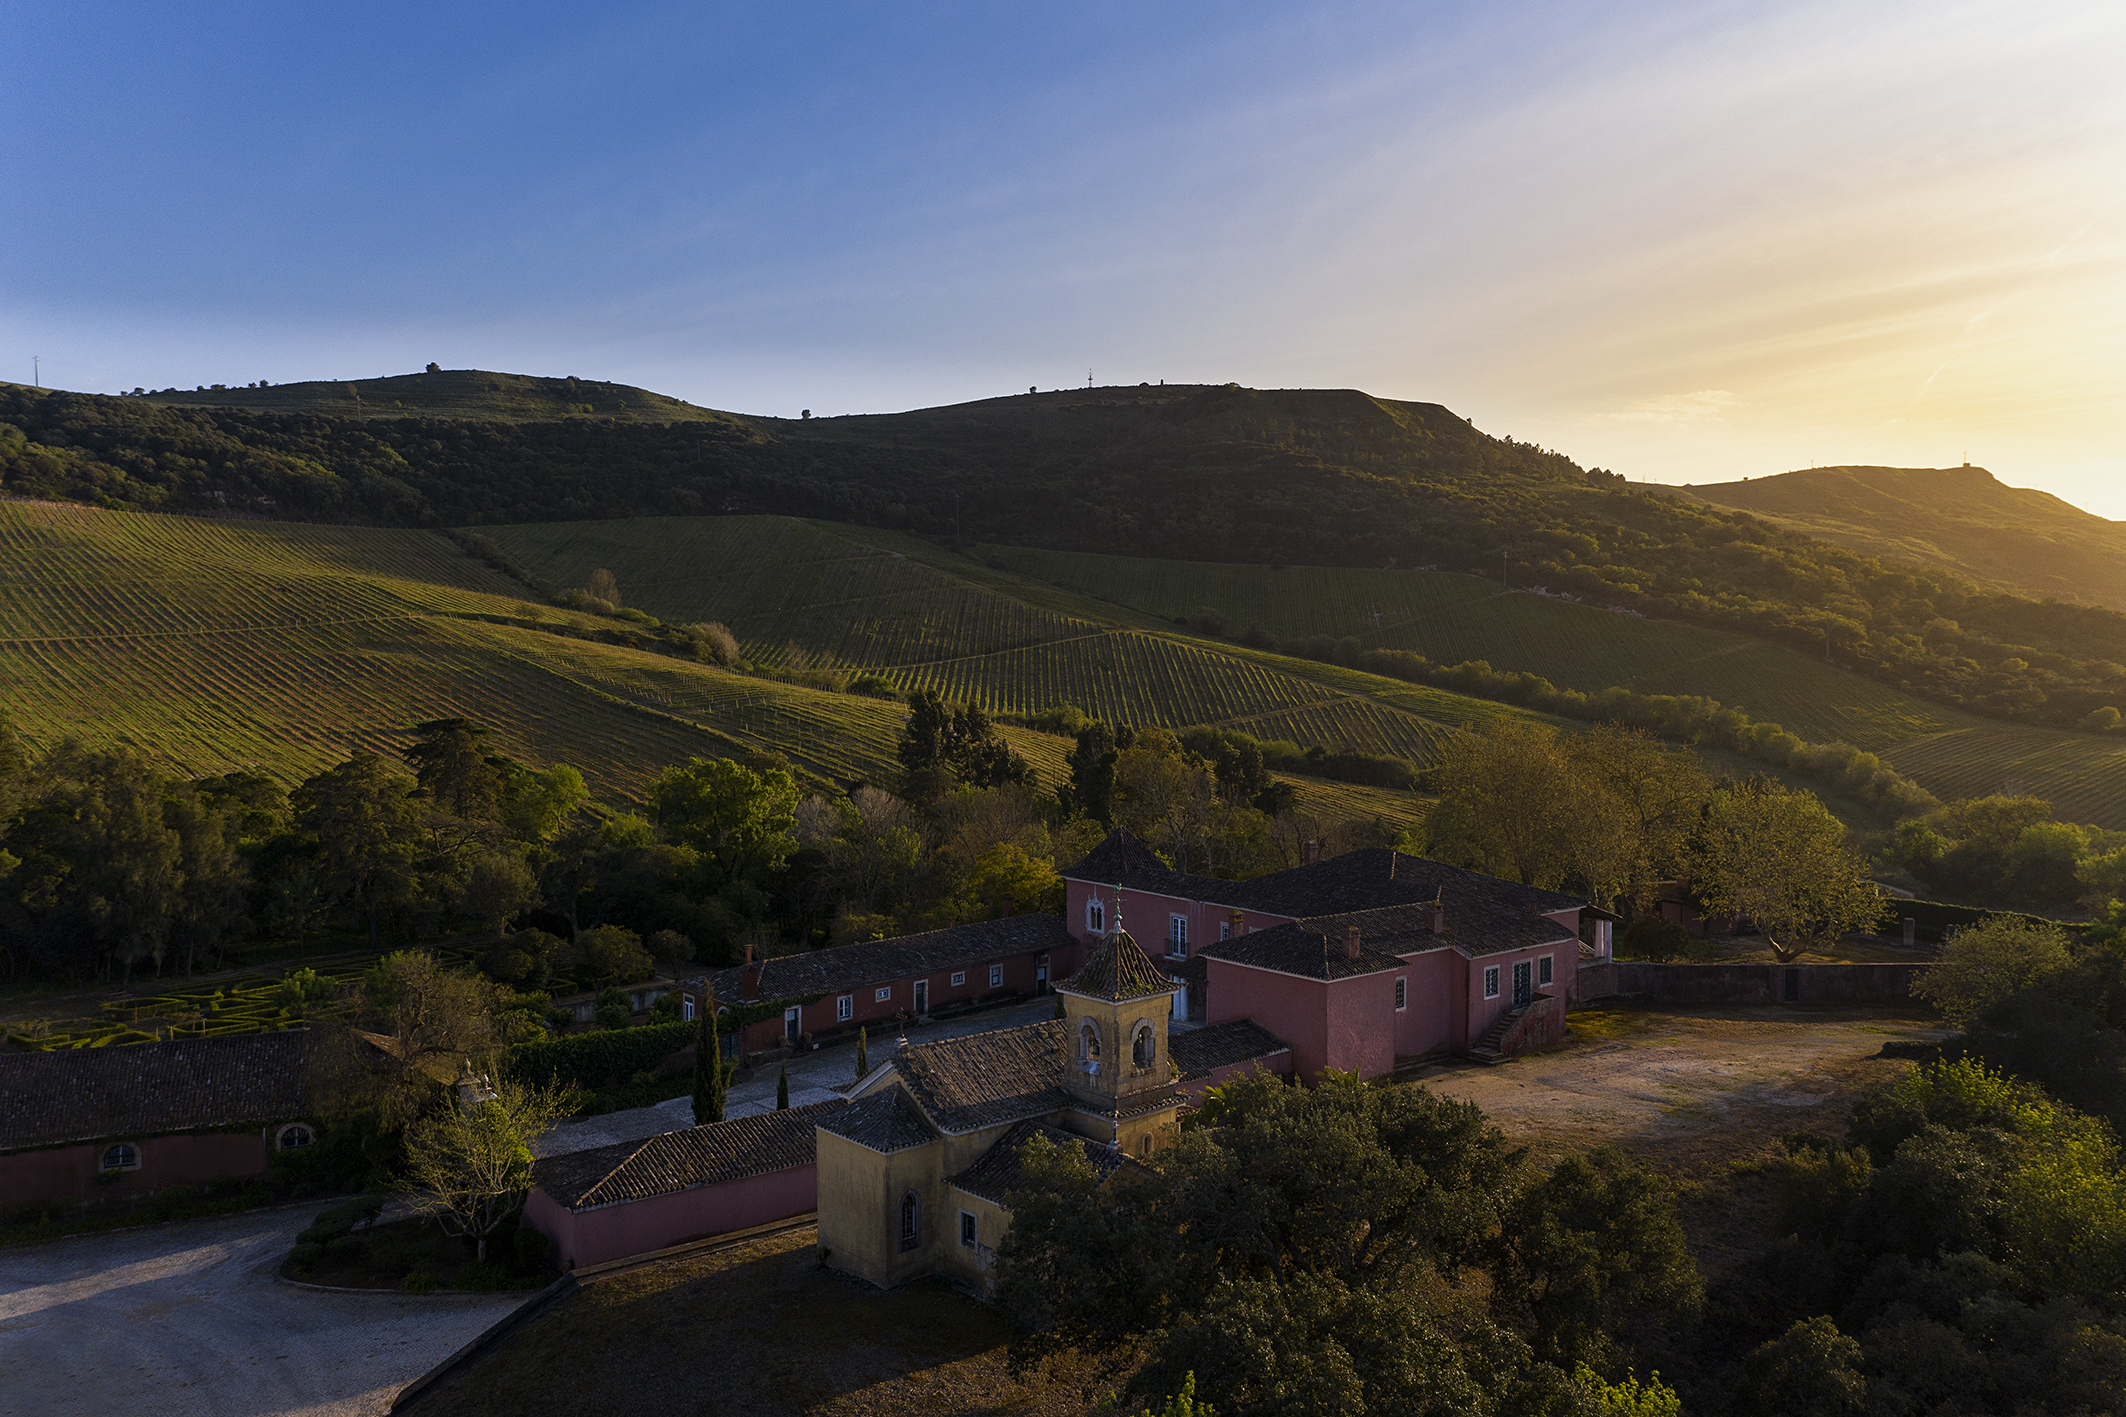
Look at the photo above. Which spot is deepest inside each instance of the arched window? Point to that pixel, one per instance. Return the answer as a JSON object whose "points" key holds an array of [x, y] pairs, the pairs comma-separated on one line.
{"points": [[295, 1134], [1144, 1046], [1088, 1041], [1096, 916], [124, 1156], [1146, 1142], [911, 1221]]}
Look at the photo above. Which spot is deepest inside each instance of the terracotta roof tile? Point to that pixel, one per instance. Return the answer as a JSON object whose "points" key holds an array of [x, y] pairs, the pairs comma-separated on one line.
{"points": [[1376, 877], [985, 1079], [1306, 950], [686, 1159], [885, 1121], [80, 1094], [995, 1174], [1118, 969], [1198, 1052], [874, 962]]}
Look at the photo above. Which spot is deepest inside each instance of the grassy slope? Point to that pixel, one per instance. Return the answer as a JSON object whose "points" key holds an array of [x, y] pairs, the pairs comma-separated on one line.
{"points": [[2014, 538]]}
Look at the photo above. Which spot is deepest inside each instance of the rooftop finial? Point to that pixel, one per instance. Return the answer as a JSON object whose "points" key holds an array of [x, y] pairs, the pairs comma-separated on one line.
{"points": [[1114, 926]]}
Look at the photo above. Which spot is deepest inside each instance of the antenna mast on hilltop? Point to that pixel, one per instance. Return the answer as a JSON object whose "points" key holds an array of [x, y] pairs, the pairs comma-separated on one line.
{"points": [[1088, 378], [37, 370]]}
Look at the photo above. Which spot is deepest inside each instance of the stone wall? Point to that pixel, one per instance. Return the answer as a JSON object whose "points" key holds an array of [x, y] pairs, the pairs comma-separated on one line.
{"points": [[1749, 983]]}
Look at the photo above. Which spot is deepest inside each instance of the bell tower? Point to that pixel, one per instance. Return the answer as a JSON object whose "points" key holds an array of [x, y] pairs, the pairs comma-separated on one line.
{"points": [[1121, 1076]]}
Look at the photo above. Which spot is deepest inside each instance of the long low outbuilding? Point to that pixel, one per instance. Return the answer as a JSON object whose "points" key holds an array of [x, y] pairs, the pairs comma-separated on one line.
{"points": [[631, 1198]]}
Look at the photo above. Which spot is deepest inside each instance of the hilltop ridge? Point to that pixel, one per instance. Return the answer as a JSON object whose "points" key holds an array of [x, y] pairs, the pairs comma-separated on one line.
{"points": [[2016, 539], [445, 393]]}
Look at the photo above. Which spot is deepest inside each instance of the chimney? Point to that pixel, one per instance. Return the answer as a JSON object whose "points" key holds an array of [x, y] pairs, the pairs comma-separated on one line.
{"points": [[1350, 942], [1313, 852], [1439, 918], [1007, 907], [1238, 927]]}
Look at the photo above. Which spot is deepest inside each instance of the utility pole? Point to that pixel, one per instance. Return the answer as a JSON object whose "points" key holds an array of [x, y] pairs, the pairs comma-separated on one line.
{"points": [[37, 370], [1088, 378]]}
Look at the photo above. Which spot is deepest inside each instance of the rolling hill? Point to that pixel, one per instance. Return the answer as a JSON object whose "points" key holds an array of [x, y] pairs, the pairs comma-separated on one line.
{"points": [[1204, 474], [2011, 538]]}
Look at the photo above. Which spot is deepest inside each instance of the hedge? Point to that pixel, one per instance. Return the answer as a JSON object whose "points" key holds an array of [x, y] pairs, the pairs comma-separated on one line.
{"points": [[597, 1060], [1934, 918]]}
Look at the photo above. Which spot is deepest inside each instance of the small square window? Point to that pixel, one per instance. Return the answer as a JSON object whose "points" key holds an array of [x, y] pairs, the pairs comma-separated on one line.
{"points": [[1402, 993], [845, 1008], [1542, 970], [887, 992], [1491, 981], [968, 1230], [687, 1009], [996, 975], [959, 977]]}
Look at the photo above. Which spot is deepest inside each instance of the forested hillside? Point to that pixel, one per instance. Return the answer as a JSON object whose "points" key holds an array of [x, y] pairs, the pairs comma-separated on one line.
{"points": [[1215, 474], [1961, 519]]}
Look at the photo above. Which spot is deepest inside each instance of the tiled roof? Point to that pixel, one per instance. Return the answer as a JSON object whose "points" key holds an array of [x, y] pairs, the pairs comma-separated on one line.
{"points": [[873, 962], [1376, 877], [1122, 860], [79, 1094], [1306, 950], [1199, 1051], [885, 1121], [683, 1160], [1115, 857], [1117, 969], [1407, 930], [995, 1173], [985, 1079]]}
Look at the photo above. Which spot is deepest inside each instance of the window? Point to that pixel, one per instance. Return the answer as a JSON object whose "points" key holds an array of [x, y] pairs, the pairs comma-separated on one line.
{"points": [[1096, 915], [1491, 981], [1088, 1041], [1144, 1046], [123, 1157], [1225, 929], [845, 1008], [1542, 970], [1177, 935], [968, 1230], [959, 977], [996, 975], [295, 1134], [911, 1221], [1402, 992], [884, 994], [686, 1006]]}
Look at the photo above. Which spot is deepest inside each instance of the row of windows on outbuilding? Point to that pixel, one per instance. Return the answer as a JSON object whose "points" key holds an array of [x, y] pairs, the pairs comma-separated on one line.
{"points": [[125, 1155]]}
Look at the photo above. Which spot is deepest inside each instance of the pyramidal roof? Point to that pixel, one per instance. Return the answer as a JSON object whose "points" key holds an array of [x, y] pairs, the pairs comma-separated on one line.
{"points": [[1118, 969]]}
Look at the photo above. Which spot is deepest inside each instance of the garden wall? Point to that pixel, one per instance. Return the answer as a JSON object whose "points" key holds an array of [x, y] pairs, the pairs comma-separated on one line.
{"points": [[1749, 983], [612, 1232]]}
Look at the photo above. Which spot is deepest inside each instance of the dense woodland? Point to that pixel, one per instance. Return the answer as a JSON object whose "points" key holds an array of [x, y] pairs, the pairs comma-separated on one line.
{"points": [[1221, 473]]}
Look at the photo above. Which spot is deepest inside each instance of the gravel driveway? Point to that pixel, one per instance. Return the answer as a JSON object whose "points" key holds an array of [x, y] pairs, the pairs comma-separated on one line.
{"points": [[189, 1318]]}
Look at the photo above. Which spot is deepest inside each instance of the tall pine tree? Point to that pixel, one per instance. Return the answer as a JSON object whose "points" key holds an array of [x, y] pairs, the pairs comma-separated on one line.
{"points": [[709, 1080], [782, 1088]]}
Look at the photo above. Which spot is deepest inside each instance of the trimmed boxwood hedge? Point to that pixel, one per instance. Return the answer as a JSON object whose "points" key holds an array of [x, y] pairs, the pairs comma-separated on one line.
{"points": [[1933, 918], [597, 1060]]}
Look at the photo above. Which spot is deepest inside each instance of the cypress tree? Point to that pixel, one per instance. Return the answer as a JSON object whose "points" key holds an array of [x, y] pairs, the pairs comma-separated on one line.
{"points": [[709, 1081], [782, 1088], [863, 1056]]}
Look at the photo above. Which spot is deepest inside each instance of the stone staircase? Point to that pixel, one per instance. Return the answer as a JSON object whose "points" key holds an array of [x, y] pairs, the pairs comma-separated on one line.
{"points": [[1491, 1047]]}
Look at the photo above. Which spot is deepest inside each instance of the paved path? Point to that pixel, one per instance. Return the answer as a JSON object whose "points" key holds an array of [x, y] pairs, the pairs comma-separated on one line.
{"points": [[188, 1318], [813, 1078]]}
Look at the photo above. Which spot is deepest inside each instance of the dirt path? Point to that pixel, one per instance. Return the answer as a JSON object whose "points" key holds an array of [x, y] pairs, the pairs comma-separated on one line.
{"points": [[1691, 1088]]}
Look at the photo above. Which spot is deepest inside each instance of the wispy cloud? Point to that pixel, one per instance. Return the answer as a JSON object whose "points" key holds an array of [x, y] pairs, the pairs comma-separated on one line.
{"points": [[1678, 410]]}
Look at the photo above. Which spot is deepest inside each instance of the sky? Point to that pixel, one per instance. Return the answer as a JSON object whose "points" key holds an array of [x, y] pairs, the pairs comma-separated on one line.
{"points": [[1686, 242]]}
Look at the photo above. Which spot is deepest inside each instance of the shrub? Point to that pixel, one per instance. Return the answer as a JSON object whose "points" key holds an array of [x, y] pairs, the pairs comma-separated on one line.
{"points": [[873, 686], [596, 1060], [611, 950], [347, 1247], [422, 1281], [531, 1252], [304, 1257], [481, 1277], [1653, 937]]}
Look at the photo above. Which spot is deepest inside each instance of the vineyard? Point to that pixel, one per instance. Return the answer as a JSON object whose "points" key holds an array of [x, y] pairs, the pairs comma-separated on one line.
{"points": [[214, 645], [1450, 618]]}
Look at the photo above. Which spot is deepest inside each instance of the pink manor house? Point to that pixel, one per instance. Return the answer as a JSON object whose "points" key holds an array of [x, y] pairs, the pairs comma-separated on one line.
{"points": [[1356, 961]]}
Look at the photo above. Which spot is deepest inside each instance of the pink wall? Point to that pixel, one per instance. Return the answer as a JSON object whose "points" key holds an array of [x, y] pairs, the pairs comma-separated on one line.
{"points": [[1483, 1012], [69, 1172], [1361, 1027], [1430, 1021], [1294, 1009], [1147, 916], [637, 1227], [1279, 1063]]}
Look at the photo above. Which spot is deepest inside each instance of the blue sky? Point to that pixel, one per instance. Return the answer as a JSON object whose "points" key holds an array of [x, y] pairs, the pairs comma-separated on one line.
{"points": [[1688, 242]]}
